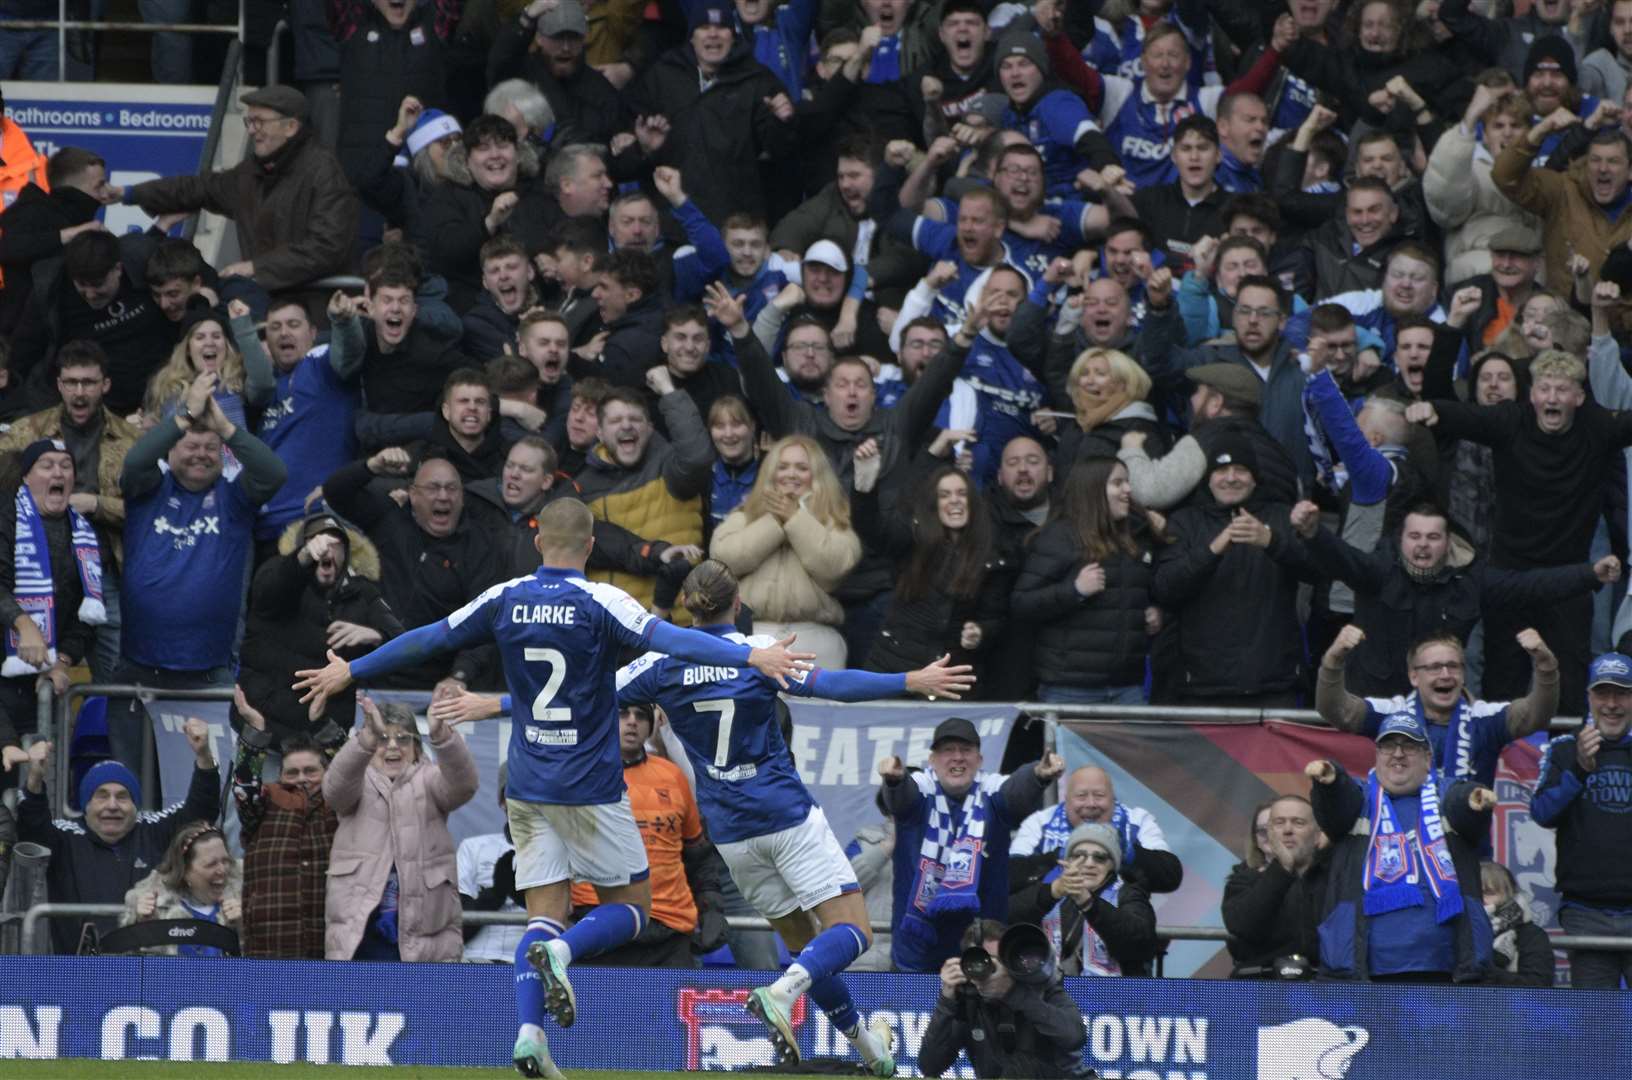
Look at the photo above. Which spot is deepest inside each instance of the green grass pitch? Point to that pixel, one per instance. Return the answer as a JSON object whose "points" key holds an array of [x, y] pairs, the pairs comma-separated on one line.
{"points": [[85, 1069]]}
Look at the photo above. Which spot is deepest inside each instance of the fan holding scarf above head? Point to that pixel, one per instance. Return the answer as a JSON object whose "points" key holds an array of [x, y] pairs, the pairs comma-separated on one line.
{"points": [[953, 824], [1404, 901], [50, 586]]}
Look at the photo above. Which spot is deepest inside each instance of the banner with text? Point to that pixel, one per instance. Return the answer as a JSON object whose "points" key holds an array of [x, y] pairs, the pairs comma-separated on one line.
{"points": [[837, 749], [666, 1020], [142, 131]]}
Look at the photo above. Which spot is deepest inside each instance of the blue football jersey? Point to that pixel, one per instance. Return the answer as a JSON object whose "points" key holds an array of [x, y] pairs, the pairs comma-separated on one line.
{"points": [[559, 638], [726, 719]]}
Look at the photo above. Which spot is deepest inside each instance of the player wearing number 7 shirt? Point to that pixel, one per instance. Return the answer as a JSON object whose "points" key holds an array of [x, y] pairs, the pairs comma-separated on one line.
{"points": [[772, 835], [559, 638]]}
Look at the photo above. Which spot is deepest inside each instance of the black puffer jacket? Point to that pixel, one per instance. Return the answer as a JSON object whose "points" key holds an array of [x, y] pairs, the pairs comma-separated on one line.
{"points": [[287, 631], [1095, 641], [1395, 609], [379, 66], [1105, 440], [1237, 612], [717, 136], [452, 222], [915, 632]]}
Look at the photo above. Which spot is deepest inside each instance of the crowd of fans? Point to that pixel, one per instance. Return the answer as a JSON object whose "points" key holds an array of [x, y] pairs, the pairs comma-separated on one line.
{"points": [[1170, 352]]}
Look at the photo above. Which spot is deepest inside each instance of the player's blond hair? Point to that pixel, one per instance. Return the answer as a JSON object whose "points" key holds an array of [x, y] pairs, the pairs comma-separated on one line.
{"points": [[564, 527]]}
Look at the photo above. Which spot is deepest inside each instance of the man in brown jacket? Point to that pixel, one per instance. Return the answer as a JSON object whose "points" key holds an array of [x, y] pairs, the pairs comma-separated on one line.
{"points": [[1583, 210], [295, 212], [98, 440]]}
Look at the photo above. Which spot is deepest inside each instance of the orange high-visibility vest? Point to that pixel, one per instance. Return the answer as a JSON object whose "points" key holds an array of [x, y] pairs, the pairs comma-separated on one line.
{"points": [[20, 165]]}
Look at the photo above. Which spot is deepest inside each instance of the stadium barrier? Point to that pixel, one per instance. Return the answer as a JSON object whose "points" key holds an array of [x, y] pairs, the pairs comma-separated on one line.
{"points": [[62, 24], [32, 918], [1199, 772], [665, 1020]]}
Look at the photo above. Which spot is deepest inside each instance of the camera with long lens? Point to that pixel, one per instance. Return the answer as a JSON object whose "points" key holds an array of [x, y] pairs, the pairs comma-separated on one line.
{"points": [[977, 965]]}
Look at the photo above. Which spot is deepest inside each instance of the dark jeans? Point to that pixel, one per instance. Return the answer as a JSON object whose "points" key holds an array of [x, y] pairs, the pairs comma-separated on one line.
{"points": [[1601, 970], [863, 619], [1566, 627]]}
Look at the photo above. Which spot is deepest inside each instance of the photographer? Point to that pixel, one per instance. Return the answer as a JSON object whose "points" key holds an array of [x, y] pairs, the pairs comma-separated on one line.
{"points": [[1011, 1022]]}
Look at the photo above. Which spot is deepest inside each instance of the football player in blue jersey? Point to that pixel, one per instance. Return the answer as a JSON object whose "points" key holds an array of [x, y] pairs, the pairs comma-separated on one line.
{"points": [[559, 637], [772, 835]]}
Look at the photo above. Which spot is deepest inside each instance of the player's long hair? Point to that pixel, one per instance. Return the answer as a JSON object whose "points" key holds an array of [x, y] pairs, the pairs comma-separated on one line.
{"points": [[954, 562], [827, 505], [708, 591]]}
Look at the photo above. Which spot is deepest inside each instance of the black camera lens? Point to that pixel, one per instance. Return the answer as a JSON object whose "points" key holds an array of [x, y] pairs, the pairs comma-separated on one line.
{"points": [[977, 964]]}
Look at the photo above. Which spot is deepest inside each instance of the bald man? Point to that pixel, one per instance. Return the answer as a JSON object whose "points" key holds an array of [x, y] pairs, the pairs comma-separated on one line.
{"points": [[1090, 796]]}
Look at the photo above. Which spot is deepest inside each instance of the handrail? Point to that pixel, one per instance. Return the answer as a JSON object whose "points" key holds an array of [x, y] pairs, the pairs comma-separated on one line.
{"points": [[62, 24], [274, 52], [218, 116], [751, 922]]}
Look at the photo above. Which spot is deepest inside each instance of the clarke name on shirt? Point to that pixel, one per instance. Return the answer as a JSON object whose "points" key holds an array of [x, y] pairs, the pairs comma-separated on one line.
{"points": [[542, 613]]}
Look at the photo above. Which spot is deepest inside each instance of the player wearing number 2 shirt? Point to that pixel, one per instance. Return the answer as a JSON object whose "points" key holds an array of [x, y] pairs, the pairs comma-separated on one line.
{"points": [[772, 835], [559, 637]]}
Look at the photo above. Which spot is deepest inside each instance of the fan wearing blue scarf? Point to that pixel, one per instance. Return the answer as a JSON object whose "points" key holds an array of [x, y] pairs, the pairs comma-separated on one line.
{"points": [[1465, 734], [953, 824], [1405, 884], [52, 597]]}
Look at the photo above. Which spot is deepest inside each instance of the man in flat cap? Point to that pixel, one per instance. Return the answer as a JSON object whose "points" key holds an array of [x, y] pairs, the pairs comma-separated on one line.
{"points": [[1515, 256], [295, 212], [1224, 402]]}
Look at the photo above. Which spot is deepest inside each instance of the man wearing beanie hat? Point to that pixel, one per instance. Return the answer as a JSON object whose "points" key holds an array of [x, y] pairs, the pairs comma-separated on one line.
{"points": [[1224, 398], [1506, 41], [1053, 118], [117, 846], [293, 209], [1582, 210], [1101, 923], [50, 585], [725, 111], [1231, 551]]}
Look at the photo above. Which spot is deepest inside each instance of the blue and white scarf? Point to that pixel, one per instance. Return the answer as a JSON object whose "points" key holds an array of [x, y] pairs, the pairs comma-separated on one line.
{"points": [[1095, 954], [34, 589], [1454, 759], [886, 64], [1396, 862], [946, 884]]}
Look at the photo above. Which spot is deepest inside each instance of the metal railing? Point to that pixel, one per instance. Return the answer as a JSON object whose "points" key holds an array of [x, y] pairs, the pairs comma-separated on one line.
{"points": [[62, 24], [32, 917], [1047, 712]]}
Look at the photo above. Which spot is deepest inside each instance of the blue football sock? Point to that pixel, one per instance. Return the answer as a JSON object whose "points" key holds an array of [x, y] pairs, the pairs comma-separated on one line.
{"points": [[831, 951], [605, 927], [831, 995], [529, 988]]}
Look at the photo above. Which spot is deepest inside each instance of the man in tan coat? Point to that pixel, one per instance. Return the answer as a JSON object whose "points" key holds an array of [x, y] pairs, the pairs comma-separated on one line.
{"points": [[1583, 210], [98, 441]]}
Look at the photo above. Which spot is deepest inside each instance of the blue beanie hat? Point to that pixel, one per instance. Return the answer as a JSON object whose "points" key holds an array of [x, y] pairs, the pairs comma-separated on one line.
{"points": [[108, 772]]}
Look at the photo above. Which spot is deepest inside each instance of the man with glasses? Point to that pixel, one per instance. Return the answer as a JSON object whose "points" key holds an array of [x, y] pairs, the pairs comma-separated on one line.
{"points": [[432, 559], [1467, 735], [1260, 347], [1404, 901], [294, 211]]}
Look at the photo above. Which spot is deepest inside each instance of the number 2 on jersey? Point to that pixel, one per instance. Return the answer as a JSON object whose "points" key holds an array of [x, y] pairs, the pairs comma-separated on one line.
{"points": [[542, 709], [727, 708]]}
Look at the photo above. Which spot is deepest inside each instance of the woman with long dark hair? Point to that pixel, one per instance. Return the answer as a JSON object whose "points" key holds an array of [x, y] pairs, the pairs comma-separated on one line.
{"points": [[952, 593], [1085, 589]]}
